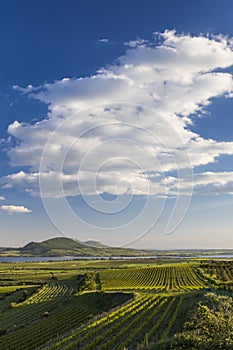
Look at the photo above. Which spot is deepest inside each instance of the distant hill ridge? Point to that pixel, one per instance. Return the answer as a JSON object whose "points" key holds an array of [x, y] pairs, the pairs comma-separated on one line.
{"points": [[95, 244], [62, 246]]}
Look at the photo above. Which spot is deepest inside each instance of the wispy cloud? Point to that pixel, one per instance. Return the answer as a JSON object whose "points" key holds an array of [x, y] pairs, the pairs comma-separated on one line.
{"points": [[137, 42], [2, 198], [103, 40]]}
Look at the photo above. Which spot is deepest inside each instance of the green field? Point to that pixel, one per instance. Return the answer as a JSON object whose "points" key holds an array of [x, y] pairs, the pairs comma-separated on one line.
{"points": [[103, 304]]}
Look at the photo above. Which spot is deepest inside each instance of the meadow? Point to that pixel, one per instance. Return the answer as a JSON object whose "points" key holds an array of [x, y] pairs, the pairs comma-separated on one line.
{"points": [[103, 304]]}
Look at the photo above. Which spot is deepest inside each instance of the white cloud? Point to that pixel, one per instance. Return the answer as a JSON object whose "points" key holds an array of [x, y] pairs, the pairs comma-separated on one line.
{"points": [[203, 183], [128, 124], [103, 40], [2, 198], [137, 42], [13, 209], [131, 183], [23, 90]]}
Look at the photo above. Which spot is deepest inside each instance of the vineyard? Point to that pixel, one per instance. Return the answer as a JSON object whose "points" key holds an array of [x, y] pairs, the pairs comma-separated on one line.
{"points": [[147, 319], [173, 277], [219, 274], [50, 311], [114, 306]]}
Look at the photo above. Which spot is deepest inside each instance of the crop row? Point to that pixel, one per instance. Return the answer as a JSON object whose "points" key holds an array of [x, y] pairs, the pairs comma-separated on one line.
{"points": [[156, 278], [150, 317], [69, 315], [45, 299]]}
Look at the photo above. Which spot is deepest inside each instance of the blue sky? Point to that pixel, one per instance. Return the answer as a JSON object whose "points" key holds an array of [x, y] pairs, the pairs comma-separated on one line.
{"points": [[116, 122]]}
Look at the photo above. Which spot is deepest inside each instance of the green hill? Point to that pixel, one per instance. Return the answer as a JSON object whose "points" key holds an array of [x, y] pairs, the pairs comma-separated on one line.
{"points": [[62, 246], [53, 243]]}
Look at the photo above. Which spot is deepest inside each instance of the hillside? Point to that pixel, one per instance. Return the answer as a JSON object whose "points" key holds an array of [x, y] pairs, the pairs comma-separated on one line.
{"points": [[95, 244], [62, 246]]}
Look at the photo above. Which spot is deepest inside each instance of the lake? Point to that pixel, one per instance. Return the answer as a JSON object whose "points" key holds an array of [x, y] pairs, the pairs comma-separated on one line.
{"points": [[9, 259]]}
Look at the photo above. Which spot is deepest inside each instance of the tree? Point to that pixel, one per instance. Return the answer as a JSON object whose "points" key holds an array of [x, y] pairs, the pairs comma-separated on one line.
{"points": [[210, 328]]}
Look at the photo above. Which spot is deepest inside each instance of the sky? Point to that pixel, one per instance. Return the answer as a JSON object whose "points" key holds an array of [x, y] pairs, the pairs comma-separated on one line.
{"points": [[116, 122]]}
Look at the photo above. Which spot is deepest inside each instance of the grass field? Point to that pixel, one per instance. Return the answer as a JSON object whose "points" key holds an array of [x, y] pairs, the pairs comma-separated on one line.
{"points": [[86, 305]]}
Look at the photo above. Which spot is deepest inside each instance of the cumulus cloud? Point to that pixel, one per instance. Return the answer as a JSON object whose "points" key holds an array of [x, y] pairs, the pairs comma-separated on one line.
{"points": [[124, 128], [15, 209]]}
